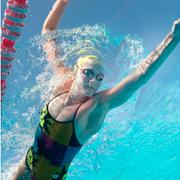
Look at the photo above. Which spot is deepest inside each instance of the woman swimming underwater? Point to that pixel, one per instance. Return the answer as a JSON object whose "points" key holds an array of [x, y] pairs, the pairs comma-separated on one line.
{"points": [[77, 110]]}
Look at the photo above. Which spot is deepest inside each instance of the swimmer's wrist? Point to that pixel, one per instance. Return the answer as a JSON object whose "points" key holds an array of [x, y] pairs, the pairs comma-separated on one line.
{"points": [[171, 35]]}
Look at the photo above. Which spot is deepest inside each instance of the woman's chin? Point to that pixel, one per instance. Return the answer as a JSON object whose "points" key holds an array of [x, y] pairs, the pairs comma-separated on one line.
{"points": [[89, 92]]}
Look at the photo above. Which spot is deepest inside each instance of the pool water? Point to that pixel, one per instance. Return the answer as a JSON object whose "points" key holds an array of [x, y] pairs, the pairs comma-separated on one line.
{"points": [[138, 140]]}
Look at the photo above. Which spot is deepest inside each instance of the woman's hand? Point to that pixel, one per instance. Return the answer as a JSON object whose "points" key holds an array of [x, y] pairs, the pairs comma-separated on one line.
{"points": [[64, 2], [176, 30]]}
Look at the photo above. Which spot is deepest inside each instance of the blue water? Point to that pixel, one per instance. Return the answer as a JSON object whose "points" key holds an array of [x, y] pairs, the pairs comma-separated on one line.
{"points": [[139, 140]]}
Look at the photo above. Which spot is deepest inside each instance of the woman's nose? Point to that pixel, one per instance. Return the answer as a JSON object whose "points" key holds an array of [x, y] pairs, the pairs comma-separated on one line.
{"points": [[93, 80]]}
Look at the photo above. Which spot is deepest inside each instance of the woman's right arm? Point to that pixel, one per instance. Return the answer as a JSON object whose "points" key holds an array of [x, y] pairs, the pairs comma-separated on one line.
{"points": [[49, 46]]}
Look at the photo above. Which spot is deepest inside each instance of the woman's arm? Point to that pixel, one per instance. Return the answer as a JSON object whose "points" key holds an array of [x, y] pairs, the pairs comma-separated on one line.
{"points": [[54, 15], [49, 46], [120, 93]]}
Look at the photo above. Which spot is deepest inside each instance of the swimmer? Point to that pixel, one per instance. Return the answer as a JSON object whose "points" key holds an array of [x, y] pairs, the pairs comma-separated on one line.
{"points": [[76, 109]]}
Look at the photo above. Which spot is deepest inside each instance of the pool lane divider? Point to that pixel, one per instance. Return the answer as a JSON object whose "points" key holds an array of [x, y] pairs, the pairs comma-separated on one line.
{"points": [[12, 25]]}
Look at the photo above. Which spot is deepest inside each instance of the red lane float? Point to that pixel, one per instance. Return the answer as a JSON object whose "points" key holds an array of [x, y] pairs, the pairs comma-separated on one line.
{"points": [[14, 16]]}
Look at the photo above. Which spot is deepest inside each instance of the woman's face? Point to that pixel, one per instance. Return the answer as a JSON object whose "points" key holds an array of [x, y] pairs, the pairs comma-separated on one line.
{"points": [[88, 78]]}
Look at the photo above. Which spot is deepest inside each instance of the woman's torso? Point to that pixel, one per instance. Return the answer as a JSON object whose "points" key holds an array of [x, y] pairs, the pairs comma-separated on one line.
{"points": [[61, 132], [81, 120]]}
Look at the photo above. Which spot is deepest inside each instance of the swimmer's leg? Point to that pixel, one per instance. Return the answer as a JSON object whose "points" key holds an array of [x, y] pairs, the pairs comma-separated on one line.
{"points": [[22, 172]]}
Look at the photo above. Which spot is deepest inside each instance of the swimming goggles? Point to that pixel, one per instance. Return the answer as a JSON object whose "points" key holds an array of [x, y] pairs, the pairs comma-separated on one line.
{"points": [[90, 74]]}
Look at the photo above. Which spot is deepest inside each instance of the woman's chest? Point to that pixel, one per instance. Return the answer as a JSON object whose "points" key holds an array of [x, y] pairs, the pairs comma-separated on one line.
{"points": [[61, 112], [87, 117]]}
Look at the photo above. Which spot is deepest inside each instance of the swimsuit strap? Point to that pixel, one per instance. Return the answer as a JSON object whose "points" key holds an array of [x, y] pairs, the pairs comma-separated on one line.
{"points": [[76, 112], [74, 139], [56, 97]]}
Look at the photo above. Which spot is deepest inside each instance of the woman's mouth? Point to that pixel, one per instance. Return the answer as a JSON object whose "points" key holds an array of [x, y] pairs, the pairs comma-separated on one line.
{"points": [[90, 87]]}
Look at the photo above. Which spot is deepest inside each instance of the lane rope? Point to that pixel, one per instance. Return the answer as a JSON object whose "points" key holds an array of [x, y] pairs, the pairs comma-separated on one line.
{"points": [[12, 25]]}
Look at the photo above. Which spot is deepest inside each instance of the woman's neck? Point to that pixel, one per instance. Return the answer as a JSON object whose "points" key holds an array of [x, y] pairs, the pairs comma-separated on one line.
{"points": [[74, 97]]}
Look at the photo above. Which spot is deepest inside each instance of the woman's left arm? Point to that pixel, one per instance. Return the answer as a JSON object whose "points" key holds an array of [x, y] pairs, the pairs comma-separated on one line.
{"points": [[120, 93]]}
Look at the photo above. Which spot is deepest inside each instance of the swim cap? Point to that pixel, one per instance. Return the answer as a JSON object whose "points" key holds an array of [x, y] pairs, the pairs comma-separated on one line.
{"points": [[90, 60]]}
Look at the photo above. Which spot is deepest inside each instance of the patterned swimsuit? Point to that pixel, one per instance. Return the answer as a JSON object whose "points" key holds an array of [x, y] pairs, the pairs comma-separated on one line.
{"points": [[55, 145]]}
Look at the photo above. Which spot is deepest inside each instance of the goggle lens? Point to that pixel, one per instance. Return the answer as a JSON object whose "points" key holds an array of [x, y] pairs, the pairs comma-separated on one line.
{"points": [[89, 73]]}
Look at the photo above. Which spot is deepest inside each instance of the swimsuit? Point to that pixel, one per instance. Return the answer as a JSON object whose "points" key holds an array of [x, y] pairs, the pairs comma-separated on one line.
{"points": [[54, 147]]}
